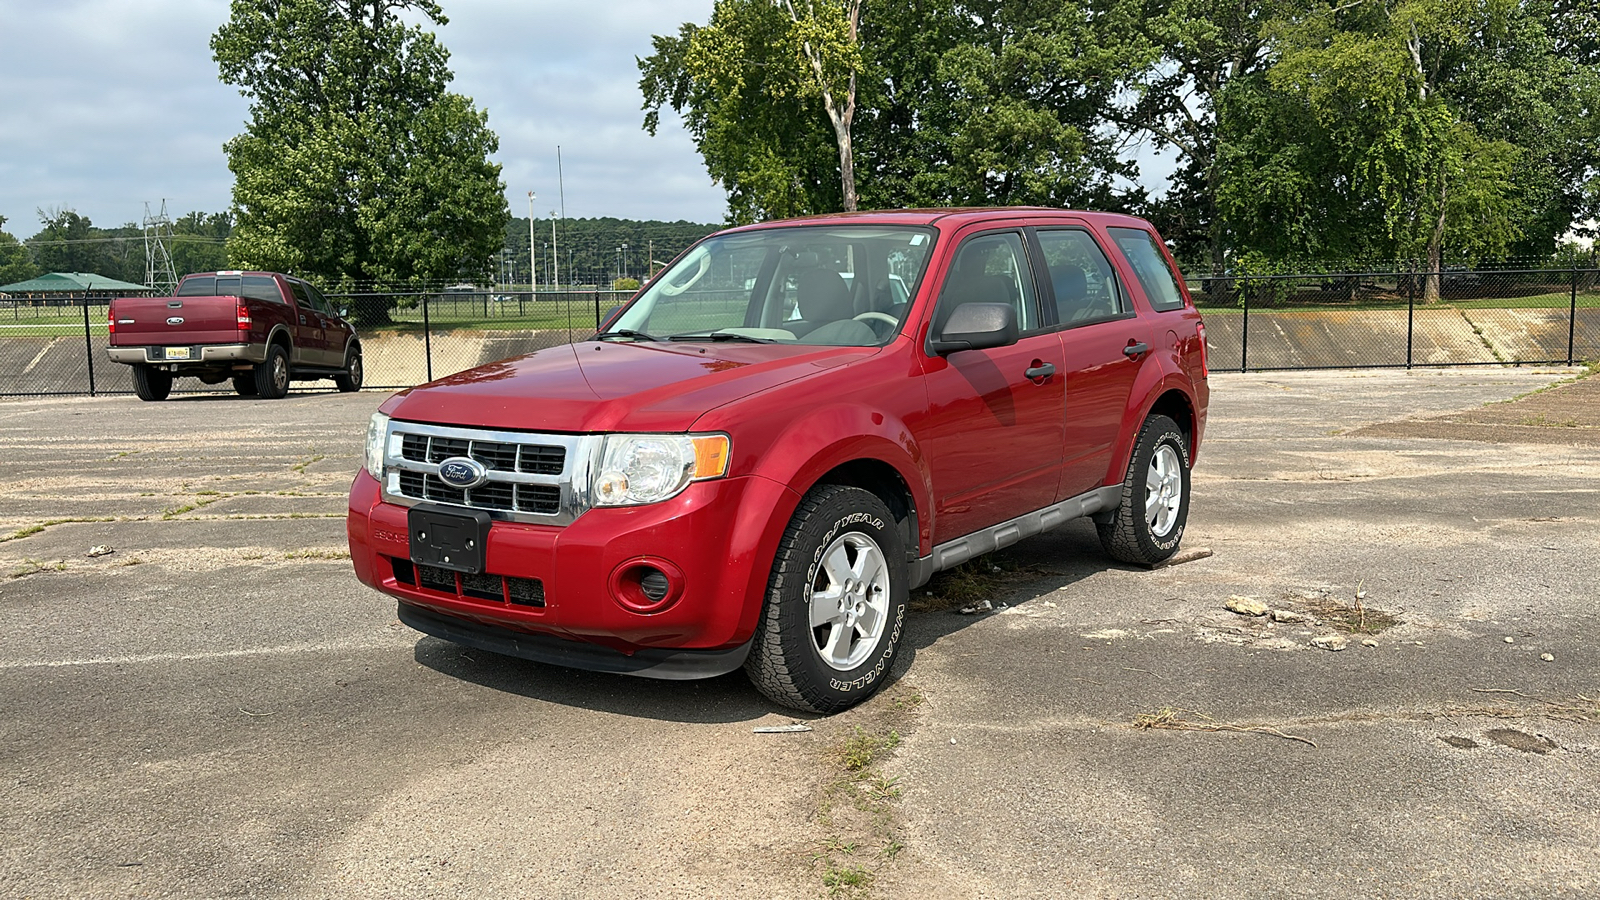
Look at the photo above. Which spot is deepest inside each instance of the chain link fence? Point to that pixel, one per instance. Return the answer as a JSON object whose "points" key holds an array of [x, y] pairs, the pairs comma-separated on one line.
{"points": [[1253, 323], [1400, 319]]}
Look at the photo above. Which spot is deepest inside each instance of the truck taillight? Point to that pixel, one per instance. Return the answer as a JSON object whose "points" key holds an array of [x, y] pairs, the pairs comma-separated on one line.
{"points": [[111, 321], [1205, 364], [244, 317]]}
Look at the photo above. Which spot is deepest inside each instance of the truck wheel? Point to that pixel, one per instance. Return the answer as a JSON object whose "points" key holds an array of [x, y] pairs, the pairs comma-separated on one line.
{"points": [[351, 379], [151, 383], [244, 384], [1148, 524], [272, 376], [835, 605]]}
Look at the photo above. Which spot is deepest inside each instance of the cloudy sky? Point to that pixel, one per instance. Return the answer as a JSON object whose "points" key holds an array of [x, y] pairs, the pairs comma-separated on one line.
{"points": [[107, 104]]}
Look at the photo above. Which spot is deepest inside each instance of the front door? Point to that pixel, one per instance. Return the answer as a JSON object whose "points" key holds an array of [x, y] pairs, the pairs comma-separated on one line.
{"points": [[994, 428]]}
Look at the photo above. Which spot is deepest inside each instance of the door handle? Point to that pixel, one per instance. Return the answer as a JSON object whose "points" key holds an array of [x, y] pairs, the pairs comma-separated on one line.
{"points": [[1043, 370], [1135, 349], [302, 320]]}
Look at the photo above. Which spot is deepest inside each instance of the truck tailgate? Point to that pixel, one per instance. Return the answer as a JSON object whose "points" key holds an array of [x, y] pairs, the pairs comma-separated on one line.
{"points": [[157, 321]]}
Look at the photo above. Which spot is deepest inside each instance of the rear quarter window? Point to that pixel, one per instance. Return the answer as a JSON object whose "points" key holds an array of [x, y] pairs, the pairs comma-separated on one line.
{"points": [[262, 287], [1149, 266]]}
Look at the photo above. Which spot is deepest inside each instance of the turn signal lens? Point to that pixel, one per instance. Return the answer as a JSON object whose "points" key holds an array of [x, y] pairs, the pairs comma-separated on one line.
{"points": [[710, 455]]}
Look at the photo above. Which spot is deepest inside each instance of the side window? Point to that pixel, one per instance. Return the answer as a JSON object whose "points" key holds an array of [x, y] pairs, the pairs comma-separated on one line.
{"points": [[990, 268], [1139, 247], [1084, 282], [301, 296], [321, 302], [262, 287]]}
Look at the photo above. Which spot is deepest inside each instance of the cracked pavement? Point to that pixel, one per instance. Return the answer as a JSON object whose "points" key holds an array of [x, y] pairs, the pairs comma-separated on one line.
{"points": [[218, 708]]}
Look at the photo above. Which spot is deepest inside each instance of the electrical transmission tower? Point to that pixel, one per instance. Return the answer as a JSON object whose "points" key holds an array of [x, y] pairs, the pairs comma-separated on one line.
{"points": [[158, 271]]}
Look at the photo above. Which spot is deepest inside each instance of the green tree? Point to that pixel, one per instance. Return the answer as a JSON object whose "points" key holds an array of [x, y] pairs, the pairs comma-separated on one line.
{"points": [[15, 263], [358, 166], [976, 102], [199, 242]]}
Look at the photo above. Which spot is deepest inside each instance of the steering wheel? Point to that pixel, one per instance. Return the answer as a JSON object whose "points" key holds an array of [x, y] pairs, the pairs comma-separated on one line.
{"points": [[872, 317]]}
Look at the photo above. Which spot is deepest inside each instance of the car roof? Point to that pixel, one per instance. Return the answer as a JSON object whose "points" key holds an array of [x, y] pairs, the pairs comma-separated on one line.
{"points": [[953, 217]]}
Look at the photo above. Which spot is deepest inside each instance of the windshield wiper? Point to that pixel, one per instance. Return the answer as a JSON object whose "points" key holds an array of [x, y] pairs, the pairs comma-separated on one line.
{"points": [[722, 336], [625, 333]]}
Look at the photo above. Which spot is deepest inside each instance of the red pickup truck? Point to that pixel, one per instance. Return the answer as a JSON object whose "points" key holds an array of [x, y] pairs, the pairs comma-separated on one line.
{"points": [[782, 435], [260, 329]]}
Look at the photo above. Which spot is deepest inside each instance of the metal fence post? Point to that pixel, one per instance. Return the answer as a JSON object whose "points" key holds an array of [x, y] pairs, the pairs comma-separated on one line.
{"points": [[597, 309], [427, 337], [88, 345], [1411, 311], [1572, 309], [1244, 334]]}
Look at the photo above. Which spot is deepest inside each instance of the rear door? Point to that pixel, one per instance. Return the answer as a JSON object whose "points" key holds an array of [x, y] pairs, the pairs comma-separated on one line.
{"points": [[1101, 335], [310, 345], [994, 428]]}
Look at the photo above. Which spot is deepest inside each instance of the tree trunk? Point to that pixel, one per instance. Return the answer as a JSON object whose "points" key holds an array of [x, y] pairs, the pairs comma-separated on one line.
{"points": [[1430, 287]]}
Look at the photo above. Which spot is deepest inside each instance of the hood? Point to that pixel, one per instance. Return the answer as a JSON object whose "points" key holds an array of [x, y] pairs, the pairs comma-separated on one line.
{"points": [[600, 386]]}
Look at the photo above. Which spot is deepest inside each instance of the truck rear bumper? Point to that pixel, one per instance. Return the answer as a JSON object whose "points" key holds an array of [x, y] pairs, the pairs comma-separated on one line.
{"points": [[198, 353]]}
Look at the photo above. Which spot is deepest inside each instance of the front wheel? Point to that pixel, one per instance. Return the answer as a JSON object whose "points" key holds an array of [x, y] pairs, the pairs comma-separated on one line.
{"points": [[350, 380], [151, 383], [1147, 525], [835, 606]]}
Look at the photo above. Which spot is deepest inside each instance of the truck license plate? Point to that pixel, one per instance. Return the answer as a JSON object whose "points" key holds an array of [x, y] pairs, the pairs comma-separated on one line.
{"points": [[177, 353], [449, 540]]}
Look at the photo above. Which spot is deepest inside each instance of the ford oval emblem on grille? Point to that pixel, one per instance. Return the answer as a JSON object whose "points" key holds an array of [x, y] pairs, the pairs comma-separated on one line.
{"points": [[461, 472], [175, 320]]}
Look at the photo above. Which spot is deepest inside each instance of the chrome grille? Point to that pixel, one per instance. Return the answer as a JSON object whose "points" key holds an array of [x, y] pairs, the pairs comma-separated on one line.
{"points": [[530, 477]]}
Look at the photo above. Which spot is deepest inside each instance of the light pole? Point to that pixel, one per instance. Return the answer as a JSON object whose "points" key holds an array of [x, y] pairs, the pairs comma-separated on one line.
{"points": [[530, 240], [556, 252], [624, 260]]}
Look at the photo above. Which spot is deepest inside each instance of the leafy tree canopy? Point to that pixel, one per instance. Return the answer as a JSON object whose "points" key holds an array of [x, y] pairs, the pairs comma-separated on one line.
{"points": [[15, 265], [358, 166]]}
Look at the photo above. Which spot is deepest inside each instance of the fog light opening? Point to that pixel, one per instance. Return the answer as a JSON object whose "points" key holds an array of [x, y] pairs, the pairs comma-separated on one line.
{"points": [[646, 585]]}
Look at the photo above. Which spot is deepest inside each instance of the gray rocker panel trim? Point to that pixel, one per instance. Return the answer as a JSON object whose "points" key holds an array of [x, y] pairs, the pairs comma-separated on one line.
{"points": [[953, 553]]}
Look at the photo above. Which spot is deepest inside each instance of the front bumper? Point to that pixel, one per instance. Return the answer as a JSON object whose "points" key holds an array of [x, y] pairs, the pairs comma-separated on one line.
{"points": [[717, 540]]}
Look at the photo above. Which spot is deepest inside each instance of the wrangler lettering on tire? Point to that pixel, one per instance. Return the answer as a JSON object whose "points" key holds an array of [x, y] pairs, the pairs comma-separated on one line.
{"points": [[836, 603]]}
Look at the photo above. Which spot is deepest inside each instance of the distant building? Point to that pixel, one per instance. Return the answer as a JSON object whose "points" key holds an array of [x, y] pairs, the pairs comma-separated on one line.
{"points": [[62, 288]]}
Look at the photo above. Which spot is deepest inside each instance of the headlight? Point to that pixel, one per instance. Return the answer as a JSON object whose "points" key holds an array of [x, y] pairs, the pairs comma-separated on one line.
{"points": [[377, 435], [648, 468]]}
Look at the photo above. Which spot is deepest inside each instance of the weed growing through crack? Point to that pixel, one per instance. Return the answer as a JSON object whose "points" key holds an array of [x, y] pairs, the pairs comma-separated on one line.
{"points": [[317, 554], [1353, 618], [970, 582], [34, 567], [856, 808]]}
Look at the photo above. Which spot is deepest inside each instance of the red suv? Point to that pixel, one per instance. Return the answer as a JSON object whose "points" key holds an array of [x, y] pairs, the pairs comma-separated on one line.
{"points": [[783, 434]]}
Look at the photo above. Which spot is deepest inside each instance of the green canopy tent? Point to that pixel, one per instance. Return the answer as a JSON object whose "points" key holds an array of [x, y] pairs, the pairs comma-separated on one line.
{"points": [[57, 288]]}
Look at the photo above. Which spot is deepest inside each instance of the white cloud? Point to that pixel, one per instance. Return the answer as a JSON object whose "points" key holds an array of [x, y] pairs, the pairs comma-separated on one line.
{"points": [[109, 103]]}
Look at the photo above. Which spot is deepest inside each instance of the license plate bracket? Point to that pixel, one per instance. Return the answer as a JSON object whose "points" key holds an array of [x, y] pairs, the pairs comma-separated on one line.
{"points": [[454, 540]]}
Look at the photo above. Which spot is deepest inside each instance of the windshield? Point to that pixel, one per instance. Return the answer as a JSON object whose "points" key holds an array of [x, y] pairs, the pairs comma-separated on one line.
{"points": [[835, 285]]}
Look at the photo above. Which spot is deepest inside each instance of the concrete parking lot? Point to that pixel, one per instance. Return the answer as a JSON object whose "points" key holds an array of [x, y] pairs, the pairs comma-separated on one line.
{"points": [[216, 708]]}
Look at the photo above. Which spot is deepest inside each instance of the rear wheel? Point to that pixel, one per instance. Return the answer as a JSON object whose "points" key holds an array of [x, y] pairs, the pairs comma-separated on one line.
{"points": [[836, 603], [272, 375], [1148, 524], [151, 383], [351, 379]]}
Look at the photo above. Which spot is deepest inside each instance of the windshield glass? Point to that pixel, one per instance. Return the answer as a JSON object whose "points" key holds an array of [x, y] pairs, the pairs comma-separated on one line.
{"points": [[838, 285]]}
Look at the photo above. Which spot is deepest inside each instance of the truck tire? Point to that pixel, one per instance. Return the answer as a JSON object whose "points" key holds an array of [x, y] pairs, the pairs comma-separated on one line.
{"points": [[151, 383], [1147, 525], [835, 605], [272, 375], [244, 384], [351, 379]]}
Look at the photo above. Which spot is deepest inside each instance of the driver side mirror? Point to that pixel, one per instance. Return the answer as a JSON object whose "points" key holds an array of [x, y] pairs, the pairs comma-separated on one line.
{"points": [[977, 326]]}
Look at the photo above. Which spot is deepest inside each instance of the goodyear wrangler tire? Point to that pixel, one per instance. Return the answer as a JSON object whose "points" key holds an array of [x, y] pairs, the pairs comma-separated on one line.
{"points": [[1148, 524], [836, 603], [272, 375]]}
